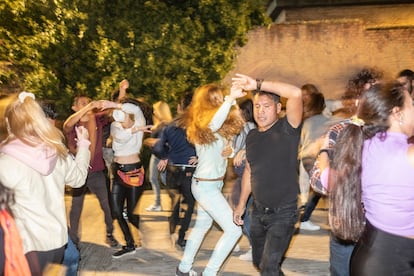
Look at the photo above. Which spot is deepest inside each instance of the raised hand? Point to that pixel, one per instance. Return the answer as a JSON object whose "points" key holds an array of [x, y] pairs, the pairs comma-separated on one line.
{"points": [[244, 82]]}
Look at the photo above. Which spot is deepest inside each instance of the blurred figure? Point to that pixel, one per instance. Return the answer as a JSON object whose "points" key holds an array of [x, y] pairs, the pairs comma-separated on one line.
{"points": [[36, 166], [315, 125], [178, 159], [161, 117], [239, 163], [406, 78], [340, 249]]}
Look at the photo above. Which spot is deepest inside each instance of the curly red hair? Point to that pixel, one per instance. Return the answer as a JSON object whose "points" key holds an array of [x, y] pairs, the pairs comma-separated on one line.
{"points": [[206, 101]]}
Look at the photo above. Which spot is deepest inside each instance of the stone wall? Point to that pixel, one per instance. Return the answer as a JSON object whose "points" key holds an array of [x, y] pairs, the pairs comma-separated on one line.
{"points": [[327, 52]]}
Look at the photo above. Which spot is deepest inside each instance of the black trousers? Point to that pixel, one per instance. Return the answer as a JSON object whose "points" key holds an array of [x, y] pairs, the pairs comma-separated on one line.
{"points": [[380, 253], [122, 192], [179, 178]]}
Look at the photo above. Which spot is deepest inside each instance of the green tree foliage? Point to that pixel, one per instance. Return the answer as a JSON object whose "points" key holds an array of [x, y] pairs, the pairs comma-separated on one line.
{"points": [[60, 48]]}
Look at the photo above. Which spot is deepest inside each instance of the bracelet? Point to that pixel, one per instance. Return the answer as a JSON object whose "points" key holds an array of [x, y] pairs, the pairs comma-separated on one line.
{"points": [[259, 84]]}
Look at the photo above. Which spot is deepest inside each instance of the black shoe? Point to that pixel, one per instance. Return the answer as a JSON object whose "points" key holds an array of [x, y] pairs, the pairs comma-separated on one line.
{"points": [[126, 250], [190, 273], [111, 241], [181, 243]]}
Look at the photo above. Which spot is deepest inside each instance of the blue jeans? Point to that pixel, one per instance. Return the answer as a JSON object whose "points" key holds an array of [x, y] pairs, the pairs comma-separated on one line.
{"points": [[340, 256], [153, 178], [310, 205], [71, 258], [235, 196], [211, 206], [271, 232], [247, 219]]}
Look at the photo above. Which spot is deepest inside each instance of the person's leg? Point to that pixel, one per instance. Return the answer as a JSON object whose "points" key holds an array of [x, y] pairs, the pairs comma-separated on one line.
{"points": [[108, 155], [96, 186], [78, 196], [247, 219], [280, 225], [38, 260], [247, 256], [257, 235], [71, 258], [173, 178], [118, 195], [310, 205], [303, 184], [340, 256], [155, 184], [133, 195], [185, 189], [174, 219], [202, 225], [219, 209]]}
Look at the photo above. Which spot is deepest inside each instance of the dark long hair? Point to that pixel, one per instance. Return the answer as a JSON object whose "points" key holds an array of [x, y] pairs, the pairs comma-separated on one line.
{"points": [[346, 213]]}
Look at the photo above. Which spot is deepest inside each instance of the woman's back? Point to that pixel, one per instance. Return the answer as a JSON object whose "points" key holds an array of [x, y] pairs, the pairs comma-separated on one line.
{"points": [[387, 184]]}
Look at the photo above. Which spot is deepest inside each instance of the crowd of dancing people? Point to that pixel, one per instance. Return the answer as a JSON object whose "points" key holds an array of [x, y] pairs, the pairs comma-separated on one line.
{"points": [[360, 157]]}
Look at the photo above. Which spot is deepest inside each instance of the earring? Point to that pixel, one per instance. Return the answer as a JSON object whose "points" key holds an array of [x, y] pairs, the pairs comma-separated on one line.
{"points": [[401, 121]]}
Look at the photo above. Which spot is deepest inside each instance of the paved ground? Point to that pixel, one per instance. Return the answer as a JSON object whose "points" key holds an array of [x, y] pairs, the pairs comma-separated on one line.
{"points": [[307, 255]]}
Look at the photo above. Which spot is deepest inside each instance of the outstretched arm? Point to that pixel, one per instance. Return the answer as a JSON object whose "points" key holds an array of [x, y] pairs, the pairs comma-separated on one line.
{"points": [[73, 119]]}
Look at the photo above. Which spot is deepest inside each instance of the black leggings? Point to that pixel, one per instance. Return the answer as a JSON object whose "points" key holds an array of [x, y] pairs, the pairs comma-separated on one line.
{"points": [[121, 192], [380, 253]]}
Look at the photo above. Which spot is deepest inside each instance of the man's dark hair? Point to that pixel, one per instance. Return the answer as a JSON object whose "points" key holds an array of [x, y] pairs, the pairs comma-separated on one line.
{"points": [[276, 98], [406, 73]]}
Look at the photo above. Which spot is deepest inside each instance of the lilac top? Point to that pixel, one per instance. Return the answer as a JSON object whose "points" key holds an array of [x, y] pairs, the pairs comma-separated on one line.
{"points": [[388, 184]]}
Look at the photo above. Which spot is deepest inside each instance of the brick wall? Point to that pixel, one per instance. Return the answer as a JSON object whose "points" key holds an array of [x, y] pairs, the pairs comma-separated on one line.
{"points": [[327, 52]]}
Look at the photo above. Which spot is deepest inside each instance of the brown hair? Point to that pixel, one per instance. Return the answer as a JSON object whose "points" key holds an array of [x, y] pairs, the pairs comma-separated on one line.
{"points": [[346, 214]]}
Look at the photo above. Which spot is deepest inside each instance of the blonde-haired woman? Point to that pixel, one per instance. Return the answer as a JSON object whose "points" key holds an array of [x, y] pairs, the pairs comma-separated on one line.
{"points": [[36, 166], [161, 117], [210, 125]]}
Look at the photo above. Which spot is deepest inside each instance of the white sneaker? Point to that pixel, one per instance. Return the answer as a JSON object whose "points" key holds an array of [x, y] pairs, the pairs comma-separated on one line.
{"points": [[153, 208], [308, 225], [247, 256]]}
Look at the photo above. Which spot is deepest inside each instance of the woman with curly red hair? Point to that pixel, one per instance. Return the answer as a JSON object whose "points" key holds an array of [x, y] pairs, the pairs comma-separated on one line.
{"points": [[211, 124]]}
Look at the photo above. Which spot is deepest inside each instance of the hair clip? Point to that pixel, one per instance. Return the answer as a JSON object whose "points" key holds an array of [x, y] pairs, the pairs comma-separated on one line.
{"points": [[357, 121], [25, 94]]}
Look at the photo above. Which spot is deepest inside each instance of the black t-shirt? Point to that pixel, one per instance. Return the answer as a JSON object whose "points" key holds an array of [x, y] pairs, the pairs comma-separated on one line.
{"points": [[273, 159]]}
